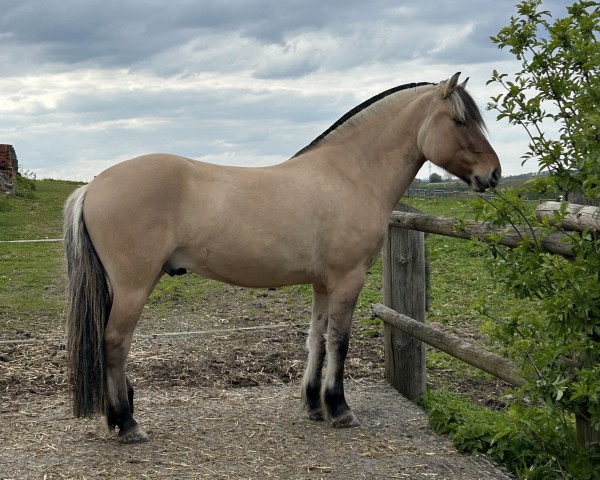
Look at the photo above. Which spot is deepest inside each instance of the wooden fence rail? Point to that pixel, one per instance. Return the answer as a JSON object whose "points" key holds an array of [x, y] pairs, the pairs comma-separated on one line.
{"points": [[452, 227], [489, 362], [579, 217], [404, 295]]}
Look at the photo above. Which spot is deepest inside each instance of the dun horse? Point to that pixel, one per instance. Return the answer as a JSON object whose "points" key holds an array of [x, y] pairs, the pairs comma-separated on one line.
{"points": [[319, 218]]}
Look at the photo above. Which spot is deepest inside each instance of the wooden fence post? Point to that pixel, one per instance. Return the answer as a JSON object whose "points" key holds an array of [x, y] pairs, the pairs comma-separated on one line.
{"points": [[404, 290]]}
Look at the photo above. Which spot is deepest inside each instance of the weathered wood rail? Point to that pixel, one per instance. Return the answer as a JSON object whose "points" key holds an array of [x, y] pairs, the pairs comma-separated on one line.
{"points": [[578, 218], [489, 362], [452, 227], [404, 293]]}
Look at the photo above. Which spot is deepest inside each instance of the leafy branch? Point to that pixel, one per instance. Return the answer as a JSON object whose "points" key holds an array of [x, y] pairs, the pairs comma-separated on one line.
{"points": [[555, 98]]}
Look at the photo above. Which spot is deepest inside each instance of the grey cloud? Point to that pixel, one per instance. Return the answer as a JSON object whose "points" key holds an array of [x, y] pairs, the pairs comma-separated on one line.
{"points": [[133, 34], [269, 71], [222, 104]]}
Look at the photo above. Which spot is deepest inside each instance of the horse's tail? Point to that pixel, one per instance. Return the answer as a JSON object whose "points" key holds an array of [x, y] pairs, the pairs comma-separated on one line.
{"points": [[89, 303]]}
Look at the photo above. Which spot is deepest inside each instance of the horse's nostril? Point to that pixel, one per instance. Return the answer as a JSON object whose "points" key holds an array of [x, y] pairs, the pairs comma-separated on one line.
{"points": [[479, 184], [495, 177]]}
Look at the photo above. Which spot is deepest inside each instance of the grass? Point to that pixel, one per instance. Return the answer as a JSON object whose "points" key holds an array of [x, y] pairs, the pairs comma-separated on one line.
{"points": [[32, 303], [457, 273], [38, 217], [32, 296], [32, 276]]}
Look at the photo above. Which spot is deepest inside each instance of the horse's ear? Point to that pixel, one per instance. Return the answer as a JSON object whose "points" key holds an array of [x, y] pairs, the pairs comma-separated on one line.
{"points": [[450, 85], [464, 84]]}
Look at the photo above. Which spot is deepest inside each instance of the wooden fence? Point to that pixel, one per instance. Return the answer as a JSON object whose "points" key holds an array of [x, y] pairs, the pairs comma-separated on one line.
{"points": [[463, 194], [404, 293]]}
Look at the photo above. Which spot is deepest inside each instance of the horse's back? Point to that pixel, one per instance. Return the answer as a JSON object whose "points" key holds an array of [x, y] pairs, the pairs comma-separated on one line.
{"points": [[131, 189], [161, 209], [154, 170], [250, 226]]}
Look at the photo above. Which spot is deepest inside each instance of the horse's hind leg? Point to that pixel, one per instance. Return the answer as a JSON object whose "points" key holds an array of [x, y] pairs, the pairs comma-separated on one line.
{"points": [[311, 383], [342, 301], [125, 312]]}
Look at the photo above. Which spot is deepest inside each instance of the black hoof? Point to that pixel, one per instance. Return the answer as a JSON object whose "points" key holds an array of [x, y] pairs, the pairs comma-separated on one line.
{"points": [[345, 420], [135, 435], [316, 415]]}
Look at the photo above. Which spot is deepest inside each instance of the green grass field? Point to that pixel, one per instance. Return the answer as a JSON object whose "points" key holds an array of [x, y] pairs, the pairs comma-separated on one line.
{"points": [[33, 279], [32, 275]]}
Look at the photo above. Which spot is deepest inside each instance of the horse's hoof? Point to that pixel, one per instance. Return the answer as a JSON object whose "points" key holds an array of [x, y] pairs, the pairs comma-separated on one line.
{"points": [[315, 415], [345, 420], [136, 435]]}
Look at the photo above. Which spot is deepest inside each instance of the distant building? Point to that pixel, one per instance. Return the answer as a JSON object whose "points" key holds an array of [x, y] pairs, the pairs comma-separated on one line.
{"points": [[9, 166]]}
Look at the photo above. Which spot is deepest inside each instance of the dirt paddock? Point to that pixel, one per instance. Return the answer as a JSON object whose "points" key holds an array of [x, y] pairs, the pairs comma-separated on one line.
{"points": [[220, 405], [254, 432]]}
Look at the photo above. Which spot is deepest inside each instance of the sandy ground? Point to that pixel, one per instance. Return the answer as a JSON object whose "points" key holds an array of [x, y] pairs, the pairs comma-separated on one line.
{"points": [[222, 406], [251, 433]]}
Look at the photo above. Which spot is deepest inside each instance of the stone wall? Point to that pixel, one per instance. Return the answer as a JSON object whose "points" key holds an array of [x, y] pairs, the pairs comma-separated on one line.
{"points": [[9, 166]]}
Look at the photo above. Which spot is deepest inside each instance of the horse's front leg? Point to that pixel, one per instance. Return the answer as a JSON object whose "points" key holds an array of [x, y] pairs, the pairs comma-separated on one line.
{"points": [[342, 301], [311, 383]]}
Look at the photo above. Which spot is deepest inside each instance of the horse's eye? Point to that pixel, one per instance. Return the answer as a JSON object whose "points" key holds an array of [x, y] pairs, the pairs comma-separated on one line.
{"points": [[459, 122]]}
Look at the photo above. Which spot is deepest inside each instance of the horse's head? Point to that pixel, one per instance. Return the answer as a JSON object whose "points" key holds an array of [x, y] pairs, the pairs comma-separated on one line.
{"points": [[453, 137]]}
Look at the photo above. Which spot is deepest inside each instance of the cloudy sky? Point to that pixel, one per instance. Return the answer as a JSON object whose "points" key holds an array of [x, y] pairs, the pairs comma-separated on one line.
{"points": [[85, 84]]}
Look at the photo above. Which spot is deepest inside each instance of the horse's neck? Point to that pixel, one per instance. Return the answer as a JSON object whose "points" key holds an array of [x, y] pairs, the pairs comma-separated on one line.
{"points": [[382, 153]]}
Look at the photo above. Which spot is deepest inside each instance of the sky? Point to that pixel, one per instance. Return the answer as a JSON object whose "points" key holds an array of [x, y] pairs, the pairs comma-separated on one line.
{"points": [[85, 84]]}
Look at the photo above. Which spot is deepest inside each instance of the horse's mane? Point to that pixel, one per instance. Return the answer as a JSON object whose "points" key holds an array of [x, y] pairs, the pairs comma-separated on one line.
{"points": [[464, 109]]}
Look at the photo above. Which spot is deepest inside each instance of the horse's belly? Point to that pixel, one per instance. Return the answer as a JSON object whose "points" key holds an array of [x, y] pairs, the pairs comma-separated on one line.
{"points": [[245, 270], [255, 279]]}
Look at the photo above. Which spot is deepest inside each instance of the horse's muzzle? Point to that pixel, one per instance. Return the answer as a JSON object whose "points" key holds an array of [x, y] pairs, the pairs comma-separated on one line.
{"points": [[480, 183]]}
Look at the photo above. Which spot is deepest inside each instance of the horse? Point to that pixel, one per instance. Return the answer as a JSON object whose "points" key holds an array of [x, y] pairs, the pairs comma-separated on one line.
{"points": [[318, 218]]}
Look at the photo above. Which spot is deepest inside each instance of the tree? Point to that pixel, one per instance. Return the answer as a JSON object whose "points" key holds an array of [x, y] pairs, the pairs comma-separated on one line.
{"points": [[435, 178], [558, 82], [558, 348]]}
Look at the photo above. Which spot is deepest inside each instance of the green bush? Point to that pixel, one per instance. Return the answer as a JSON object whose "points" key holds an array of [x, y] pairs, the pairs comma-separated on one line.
{"points": [[558, 348], [532, 443], [26, 185]]}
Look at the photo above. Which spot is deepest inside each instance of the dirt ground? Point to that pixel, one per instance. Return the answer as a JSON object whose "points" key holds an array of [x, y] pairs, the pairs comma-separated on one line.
{"points": [[223, 403]]}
